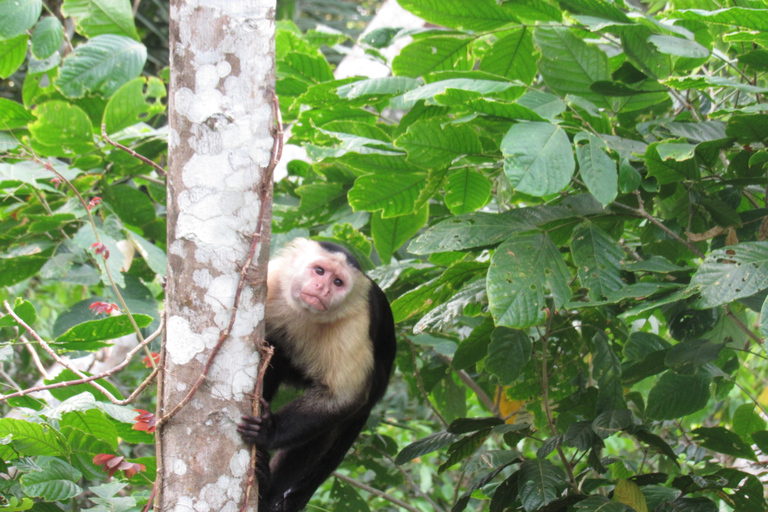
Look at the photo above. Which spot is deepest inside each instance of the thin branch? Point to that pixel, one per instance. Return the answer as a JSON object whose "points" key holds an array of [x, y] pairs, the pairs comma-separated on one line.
{"points": [[754, 337], [375, 492], [410, 482], [471, 384], [35, 357], [640, 212], [84, 379], [131, 152]]}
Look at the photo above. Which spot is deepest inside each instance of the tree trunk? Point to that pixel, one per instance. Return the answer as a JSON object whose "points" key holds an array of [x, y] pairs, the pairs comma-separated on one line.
{"points": [[221, 118]]}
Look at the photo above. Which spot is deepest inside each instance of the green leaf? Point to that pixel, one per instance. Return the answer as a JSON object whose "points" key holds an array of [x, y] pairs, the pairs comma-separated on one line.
{"points": [[481, 229], [24, 310], [429, 91], [722, 440], [520, 270], [731, 273], [137, 101], [748, 129], [16, 270], [679, 46], [628, 493], [674, 396], [347, 498], [101, 65], [746, 420], [539, 158], [12, 52], [480, 15], [96, 17], [425, 56], [391, 233], [474, 348], [509, 351], [66, 392], [424, 446], [54, 482], [432, 145], [539, 483], [463, 448], [686, 358], [601, 504], [47, 37], [598, 258], [131, 205], [92, 422], [392, 193], [643, 54], [612, 422], [569, 65], [377, 87], [598, 8], [18, 16], [64, 128], [751, 19], [597, 169], [310, 68], [29, 439], [512, 56], [669, 170], [98, 330], [466, 191]]}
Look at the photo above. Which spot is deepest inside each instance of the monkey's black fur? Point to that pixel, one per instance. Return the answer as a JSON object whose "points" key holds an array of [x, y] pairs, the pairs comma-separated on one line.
{"points": [[311, 435]]}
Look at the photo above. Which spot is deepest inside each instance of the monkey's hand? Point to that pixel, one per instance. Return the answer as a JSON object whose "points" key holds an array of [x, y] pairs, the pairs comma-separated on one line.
{"points": [[258, 430]]}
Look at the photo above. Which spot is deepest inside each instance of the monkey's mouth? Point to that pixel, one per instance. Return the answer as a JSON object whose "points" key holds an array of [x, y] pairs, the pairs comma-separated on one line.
{"points": [[314, 302]]}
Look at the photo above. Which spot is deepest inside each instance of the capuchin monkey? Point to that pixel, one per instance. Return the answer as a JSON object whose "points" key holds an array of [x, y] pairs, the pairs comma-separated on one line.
{"points": [[334, 335]]}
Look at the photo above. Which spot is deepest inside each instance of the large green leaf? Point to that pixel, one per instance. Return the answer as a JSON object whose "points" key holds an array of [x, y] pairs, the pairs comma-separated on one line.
{"points": [[47, 37], [521, 270], [466, 191], [55, 481], [509, 351], [478, 15], [539, 158], [432, 145], [483, 229], [102, 65], [598, 258], [540, 482], [63, 128], [391, 233], [731, 273], [12, 53], [751, 19], [512, 56], [597, 169], [424, 56], [29, 439], [674, 396], [722, 440], [18, 16], [97, 17], [392, 193], [15, 270], [424, 446], [137, 101], [97, 330], [569, 65]]}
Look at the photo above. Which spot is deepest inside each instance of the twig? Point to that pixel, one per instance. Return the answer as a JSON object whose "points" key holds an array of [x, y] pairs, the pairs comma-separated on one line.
{"points": [[410, 482], [131, 152], [420, 384], [471, 384], [35, 357], [754, 337], [265, 350], [656, 222], [84, 379], [375, 492]]}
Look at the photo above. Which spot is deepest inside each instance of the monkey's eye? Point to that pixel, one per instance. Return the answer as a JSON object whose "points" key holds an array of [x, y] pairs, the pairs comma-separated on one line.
{"points": [[338, 282], [319, 271]]}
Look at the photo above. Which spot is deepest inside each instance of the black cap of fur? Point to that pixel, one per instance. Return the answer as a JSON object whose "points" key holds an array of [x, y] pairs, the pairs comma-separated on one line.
{"points": [[331, 247]]}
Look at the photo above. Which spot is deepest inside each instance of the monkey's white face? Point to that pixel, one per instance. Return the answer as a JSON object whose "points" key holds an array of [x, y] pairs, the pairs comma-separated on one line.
{"points": [[323, 284]]}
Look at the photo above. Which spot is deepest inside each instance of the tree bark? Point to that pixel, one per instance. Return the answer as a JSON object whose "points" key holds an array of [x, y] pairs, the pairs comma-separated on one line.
{"points": [[221, 119]]}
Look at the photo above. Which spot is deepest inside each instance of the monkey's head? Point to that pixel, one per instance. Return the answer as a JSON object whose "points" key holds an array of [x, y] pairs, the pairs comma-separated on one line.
{"points": [[324, 278]]}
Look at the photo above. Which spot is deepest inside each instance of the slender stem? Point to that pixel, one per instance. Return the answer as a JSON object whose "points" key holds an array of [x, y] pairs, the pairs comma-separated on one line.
{"points": [[375, 492]]}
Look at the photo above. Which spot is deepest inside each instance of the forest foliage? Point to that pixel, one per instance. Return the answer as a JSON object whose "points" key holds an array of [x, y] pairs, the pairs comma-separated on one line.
{"points": [[565, 202]]}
